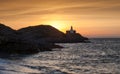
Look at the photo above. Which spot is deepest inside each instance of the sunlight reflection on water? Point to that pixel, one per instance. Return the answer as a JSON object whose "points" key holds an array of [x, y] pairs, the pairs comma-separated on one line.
{"points": [[98, 57]]}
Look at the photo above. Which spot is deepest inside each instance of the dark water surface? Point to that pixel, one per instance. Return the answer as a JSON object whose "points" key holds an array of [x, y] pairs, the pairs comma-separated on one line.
{"points": [[102, 56]]}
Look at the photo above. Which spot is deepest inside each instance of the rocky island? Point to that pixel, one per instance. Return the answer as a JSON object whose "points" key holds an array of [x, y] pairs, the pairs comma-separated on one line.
{"points": [[34, 39]]}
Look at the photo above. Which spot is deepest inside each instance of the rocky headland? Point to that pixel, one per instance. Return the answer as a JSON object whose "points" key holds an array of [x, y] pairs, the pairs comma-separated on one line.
{"points": [[34, 39]]}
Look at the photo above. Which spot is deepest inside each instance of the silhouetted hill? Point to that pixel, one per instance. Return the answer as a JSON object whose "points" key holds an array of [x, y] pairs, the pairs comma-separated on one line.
{"points": [[47, 33], [41, 33]]}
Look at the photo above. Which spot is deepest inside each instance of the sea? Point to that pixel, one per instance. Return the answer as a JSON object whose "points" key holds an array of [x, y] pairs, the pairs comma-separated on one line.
{"points": [[101, 56]]}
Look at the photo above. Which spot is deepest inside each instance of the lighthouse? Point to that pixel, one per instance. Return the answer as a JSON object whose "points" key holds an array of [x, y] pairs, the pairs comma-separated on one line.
{"points": [[71, 31]]}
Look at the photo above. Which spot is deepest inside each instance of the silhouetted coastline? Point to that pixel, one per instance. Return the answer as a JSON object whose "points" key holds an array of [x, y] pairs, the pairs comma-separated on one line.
{"points": [[34, 39]]}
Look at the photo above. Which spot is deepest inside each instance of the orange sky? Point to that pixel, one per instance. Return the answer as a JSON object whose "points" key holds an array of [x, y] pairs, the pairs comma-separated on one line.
{"points": [[91, 18]]}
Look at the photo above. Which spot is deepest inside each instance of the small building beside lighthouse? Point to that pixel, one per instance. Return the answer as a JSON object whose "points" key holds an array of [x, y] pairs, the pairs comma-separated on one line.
{"points": [[71, 31]]}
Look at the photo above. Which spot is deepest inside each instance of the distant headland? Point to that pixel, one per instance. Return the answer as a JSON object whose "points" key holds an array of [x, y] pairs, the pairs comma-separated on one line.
{"points": [[33, 39]]}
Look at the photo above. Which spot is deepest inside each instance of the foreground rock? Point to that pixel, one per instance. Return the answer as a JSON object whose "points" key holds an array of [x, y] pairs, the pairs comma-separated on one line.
{"points": [[25, 48]]}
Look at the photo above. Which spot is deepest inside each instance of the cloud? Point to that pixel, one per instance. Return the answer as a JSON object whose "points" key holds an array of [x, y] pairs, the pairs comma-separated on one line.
{"points": [[52, 6], [91, 8]]}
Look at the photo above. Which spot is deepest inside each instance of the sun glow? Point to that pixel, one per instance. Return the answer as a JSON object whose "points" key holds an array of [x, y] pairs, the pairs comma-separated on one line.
{"points": [[58, 24]]}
